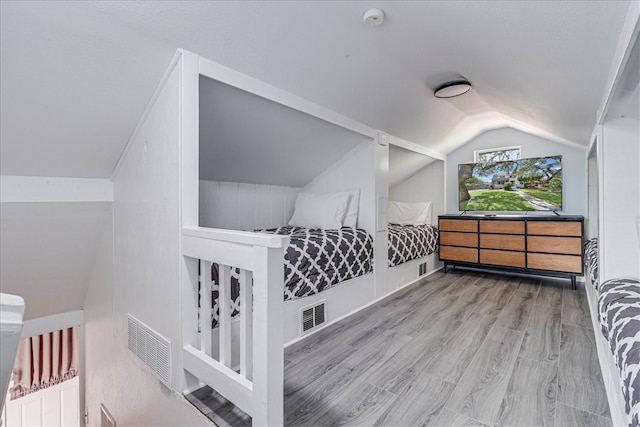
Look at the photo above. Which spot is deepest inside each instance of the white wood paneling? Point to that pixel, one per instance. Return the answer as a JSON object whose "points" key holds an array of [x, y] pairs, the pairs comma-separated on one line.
{"points": [[278, 206], [425, 185], [238, 206], [58, 405], [146, 221], [69, 408], [246, 204], [620, 192], [356, 170], [263, 201], [227, 208]]}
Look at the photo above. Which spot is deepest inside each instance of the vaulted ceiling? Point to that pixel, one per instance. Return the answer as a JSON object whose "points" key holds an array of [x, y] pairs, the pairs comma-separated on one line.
{"points": [[76, 76]]}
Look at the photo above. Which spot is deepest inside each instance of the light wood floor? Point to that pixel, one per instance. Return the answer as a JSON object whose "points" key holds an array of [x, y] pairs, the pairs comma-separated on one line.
{"points": [[465, 348]]}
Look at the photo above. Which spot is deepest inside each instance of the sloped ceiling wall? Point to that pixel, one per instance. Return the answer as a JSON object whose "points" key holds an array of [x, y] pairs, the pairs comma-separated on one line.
{"points": [[76, 76], [48, 251], [248, 139], [404, 163]]}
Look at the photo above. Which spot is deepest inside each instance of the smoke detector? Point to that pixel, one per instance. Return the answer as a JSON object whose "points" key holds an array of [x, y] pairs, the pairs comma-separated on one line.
{"points": [[373, 17]]}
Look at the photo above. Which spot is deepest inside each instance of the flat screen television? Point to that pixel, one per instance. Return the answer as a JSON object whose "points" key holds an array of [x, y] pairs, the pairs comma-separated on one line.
{"points": [[533, 184]]}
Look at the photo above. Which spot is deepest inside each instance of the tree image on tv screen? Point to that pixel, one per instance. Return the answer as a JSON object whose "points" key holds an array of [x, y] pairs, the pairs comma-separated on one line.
{"points": [[518, 185]]}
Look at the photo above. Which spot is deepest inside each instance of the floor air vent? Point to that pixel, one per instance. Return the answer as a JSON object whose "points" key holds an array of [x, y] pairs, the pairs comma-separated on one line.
{"points": [[313, 316], [153, 349], [422, 269]]}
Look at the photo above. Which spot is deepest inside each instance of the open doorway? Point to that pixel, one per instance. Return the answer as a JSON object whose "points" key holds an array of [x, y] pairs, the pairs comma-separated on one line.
{"points": [[45, 384]]}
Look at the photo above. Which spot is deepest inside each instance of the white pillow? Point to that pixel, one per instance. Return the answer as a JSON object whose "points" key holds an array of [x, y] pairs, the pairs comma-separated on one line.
{"points": [[409, 213], [314, 210], [351, 218]]}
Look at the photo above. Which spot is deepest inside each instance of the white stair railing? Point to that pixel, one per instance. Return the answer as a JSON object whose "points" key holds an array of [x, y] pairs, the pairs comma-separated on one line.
{"points": [[257, 385]]}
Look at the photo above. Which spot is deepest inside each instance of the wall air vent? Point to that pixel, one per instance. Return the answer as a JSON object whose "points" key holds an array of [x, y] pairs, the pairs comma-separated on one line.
{"points": [[313, 316], [150, 347]]}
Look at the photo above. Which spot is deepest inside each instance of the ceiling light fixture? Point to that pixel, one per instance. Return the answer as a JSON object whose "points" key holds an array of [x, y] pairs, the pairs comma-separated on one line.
{"points": [[373, 17], [452, 89]]}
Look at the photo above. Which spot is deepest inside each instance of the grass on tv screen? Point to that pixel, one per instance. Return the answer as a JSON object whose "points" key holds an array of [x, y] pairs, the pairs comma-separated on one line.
{"points": [[517, 185]]}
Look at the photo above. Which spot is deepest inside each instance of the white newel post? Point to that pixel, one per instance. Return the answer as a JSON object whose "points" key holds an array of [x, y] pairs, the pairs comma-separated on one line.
{"points": [[268, 345]]}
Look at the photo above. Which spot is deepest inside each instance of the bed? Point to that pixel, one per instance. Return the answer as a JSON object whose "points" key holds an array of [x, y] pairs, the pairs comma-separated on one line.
{"points": [[407, 242], [411, 234], [619, 315], [591, 260], [315, 260]]}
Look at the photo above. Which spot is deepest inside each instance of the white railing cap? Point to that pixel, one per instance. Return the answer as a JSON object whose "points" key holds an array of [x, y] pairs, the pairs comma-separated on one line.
{"points": [[11, 311], [235, 236]]}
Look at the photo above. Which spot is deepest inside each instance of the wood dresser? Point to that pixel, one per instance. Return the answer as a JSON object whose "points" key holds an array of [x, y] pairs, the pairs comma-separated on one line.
{"points": [[543, 245]]}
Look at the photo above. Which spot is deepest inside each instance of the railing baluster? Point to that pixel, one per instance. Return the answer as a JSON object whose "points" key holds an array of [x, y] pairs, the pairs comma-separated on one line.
{"points": [[246, 324], [224, 314], [257, 388], [205, 306]]}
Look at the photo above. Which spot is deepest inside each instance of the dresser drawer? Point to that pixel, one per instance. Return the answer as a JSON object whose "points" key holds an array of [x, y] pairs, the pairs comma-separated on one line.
{"points": [[505, 227], [452, 253], [500, 241], [508, 258], [556, 245], [554, 228], [458, 239], [554, 262], [458, 225]]}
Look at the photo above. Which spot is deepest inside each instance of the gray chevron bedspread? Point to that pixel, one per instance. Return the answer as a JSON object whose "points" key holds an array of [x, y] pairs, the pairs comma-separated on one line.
{"points": [[314, 261], [591, 260], [407, 242], [619, 311]]}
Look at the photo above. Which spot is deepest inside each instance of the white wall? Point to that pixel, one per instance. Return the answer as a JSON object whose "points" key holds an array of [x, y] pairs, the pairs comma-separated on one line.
{"points": [[426, 184], [620, 195], [145, 279], [238, 206], [592, 200], [355, 170], [113, 376], [47, 250], [573, 165]]}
